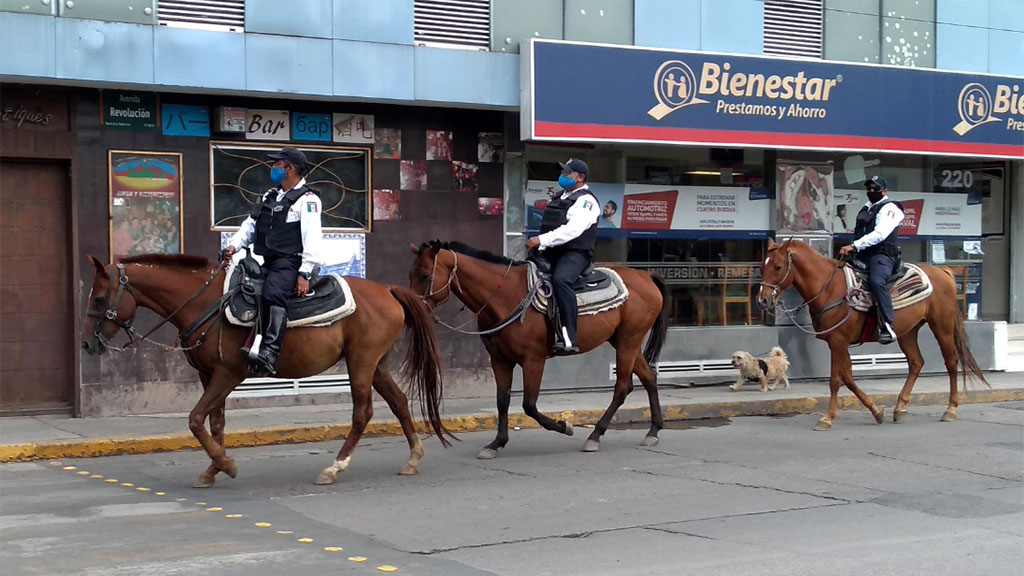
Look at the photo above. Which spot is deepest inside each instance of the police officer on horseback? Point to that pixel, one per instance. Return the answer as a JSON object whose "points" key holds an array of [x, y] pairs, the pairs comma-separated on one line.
{"points": [[283, 227], [567, 234], [877, 226]]}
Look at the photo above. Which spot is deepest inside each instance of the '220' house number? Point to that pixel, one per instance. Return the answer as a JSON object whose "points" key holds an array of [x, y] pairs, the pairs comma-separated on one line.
{"points": [[957, 179]]}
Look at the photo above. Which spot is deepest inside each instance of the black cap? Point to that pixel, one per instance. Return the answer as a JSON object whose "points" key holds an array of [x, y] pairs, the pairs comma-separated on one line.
{"points": [[292, 155], [876, 180], [575, 165]]}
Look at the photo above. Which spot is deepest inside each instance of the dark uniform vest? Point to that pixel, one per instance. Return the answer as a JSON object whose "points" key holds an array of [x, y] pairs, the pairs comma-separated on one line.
{"points": [[557, 214], [866, 223], [275, 236]]}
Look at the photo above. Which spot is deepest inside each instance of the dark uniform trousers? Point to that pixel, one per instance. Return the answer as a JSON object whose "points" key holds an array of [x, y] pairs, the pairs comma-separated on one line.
{"points": [[281, 274], [881, 267], [566, 269]]}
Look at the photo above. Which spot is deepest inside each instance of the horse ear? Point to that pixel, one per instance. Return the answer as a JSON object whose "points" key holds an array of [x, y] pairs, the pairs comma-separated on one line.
{"points": [[414, 248], [771, 243], [101, 269]]}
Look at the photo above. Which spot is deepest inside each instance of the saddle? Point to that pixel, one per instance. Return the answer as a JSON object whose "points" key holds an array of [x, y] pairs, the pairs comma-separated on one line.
{"points": [[597, 289], [590, 279], [329, 298], [908, 285]]}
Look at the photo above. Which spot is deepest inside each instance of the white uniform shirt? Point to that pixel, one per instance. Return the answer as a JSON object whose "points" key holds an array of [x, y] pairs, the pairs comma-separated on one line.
{"points": [[888, 218], [306, 211], [583, 214]]}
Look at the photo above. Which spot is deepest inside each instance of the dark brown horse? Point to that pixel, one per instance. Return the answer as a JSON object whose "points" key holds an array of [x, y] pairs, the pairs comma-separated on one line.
{"points": [[181, 288], [821, 283], [495, 288]]}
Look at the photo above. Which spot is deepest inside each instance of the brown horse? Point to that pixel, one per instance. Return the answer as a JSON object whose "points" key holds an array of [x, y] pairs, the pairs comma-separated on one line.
{"points": [[495, 288], [822, 286], [183, 289]]}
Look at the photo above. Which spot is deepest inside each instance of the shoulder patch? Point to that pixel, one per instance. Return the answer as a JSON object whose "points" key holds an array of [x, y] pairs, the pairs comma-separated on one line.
{"points": [[312, 207]]}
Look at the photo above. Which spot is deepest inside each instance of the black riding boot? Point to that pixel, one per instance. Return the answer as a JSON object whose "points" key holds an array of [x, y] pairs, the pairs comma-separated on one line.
{"points": [[270, 347]]}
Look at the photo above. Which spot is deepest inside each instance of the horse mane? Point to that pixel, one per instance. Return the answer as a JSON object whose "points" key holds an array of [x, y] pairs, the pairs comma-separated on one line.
{"points": [[185, 261], [479, 254]]}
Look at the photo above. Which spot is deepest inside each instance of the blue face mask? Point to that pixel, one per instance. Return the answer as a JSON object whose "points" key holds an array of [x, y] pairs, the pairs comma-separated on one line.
{"points": [[566, 182], [277, 175]]}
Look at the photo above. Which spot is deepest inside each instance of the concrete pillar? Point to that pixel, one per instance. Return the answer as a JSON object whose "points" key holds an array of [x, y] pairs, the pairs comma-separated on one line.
{"points": [[1015, 237]]}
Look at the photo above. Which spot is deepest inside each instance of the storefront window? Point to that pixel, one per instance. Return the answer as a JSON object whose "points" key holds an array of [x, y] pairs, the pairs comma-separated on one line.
{"points": [[696, 216]]}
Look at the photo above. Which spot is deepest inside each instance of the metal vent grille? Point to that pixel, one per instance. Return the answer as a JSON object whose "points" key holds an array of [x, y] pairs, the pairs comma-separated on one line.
{"points": [[793, 27], [224, 15], [266, 387], [684, 368], [453, 23]]}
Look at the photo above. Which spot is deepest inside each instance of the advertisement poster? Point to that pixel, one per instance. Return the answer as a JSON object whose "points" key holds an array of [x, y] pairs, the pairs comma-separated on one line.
{"points": [[926, 214], [345, 253], [666, 211], [805, 197], [145, 203]]}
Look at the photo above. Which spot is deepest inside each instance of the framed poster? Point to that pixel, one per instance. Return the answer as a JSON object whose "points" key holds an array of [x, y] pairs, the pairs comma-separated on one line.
{"points": [[145, 194], [240, 174]]}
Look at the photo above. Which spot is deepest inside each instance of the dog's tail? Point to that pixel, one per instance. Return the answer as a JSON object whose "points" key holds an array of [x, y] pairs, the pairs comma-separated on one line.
{"points": [[777, 351]]}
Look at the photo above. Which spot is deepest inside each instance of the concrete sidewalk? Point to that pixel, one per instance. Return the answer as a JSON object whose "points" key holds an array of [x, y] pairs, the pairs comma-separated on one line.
{"points": [[30, 438]]}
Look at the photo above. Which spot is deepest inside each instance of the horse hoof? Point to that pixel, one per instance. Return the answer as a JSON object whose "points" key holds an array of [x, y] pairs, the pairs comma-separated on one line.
{"points": [[649, 441], [229, 467], [204, 481], [880, 415], [487, 454], [949, 416], [898, 415], [568, 429], [591, 446], [823, 426], [409, 470], [325, 478]]}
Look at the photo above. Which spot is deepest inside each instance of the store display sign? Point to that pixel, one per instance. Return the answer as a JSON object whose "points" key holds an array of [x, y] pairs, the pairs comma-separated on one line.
{"points": [[637, 210], [682, 97], [925, 214], [315, 127], [182, 120]]}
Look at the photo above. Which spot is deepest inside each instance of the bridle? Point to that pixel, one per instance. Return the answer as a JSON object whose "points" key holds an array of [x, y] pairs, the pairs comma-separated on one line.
{"points": [[792, 312], [110, 315], [453, 277]]}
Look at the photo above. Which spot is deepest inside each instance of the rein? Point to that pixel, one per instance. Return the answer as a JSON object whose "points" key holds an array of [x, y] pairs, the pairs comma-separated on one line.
{"points": [[110, 314], [792, 312], [517, 314]]}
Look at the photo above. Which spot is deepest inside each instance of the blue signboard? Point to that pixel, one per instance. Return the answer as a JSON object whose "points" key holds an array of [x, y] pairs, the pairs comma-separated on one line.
{"points": [[315, 127], [631, 94], [183, 120]]}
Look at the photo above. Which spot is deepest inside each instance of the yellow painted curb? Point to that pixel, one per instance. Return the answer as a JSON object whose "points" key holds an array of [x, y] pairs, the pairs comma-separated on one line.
{"points": [[112, 446]]}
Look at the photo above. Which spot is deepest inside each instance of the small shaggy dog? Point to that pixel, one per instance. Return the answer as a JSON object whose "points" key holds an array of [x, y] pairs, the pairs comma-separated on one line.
{"points": [[773, 367]]}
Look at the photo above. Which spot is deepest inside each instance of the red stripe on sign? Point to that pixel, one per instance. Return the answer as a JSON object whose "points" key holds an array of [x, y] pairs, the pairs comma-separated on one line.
{"points": [[769, 139]]}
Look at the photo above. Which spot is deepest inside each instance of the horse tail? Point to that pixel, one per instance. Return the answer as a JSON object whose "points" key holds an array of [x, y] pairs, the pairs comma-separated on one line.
{"points": [[963, 351], [422, 363], [659, 331]]}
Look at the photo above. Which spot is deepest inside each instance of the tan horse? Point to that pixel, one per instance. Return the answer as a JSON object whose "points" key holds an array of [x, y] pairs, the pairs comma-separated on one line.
{"points": [[495, 288], [822, 285], [181, 289]]}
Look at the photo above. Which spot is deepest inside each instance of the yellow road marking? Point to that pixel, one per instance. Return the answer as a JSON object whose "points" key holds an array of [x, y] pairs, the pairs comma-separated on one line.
{"points": [[357, 558], [262, 524], [333, 548], [305, 540]]}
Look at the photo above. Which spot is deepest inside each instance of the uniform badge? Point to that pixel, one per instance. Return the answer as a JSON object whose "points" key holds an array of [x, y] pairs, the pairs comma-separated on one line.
{"points": [[311, 207], [587, 204]]}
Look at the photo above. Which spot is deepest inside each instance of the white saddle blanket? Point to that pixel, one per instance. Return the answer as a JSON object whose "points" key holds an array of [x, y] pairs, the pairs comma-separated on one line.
{"points": [[908, 290], [589, 303], [321, 317]]}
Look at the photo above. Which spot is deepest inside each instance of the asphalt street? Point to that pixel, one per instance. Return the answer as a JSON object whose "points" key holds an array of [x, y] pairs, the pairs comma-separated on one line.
{"points": [[748, 496]]}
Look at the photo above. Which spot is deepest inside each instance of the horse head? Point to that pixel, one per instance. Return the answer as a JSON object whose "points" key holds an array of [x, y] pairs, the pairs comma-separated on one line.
{"points": [[427, 276], [777, 273], [107, 310]]}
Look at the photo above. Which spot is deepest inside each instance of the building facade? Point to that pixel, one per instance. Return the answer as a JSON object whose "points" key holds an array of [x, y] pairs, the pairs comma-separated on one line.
{"points": [[423, 117]]}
